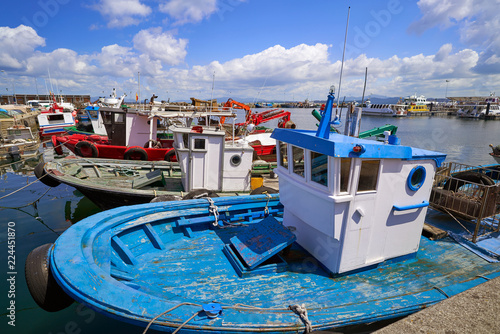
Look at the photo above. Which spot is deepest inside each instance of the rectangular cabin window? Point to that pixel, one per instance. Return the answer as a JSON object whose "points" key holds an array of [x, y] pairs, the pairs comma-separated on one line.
{"points": [[199, 144], [298, 160], [319, 168], [368, 175], [55, 118], [106, 117], [345, 171], [283, 155], [119, 118], [185, 140]]}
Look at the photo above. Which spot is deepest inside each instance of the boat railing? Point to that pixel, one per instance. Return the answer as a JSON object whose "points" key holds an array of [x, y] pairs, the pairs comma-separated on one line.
{"points": [[471, 195]]}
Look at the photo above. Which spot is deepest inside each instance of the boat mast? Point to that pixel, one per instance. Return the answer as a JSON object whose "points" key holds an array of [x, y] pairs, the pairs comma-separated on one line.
{"points": [[343, 55]]}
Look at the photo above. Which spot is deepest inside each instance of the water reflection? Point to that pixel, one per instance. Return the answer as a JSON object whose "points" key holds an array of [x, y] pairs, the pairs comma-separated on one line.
{"points": [[84, 208]]}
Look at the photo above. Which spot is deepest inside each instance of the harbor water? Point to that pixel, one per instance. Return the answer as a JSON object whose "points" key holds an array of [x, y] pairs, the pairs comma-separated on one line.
{"points": [[36, 215]]}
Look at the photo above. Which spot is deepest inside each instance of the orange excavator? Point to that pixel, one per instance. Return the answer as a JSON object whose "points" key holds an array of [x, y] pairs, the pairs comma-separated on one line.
{"points": [[261, 117]]}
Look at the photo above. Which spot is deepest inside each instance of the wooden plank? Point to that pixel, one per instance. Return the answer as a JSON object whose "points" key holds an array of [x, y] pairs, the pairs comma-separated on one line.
{"points": [[434, 233], [259, 242], [149, 178]]}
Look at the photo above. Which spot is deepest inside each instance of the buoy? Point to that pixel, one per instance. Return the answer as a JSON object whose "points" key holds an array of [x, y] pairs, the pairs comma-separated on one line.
{"points": [[42, 284]]}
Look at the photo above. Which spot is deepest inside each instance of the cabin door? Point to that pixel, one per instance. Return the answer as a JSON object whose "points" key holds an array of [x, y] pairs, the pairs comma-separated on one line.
{"points": [[114, 121], [361, 219], [198, 162]]}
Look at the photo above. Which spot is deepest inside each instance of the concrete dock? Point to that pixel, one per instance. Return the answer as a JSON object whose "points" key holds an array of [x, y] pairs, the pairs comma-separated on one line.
{"points": [[475, 311]]}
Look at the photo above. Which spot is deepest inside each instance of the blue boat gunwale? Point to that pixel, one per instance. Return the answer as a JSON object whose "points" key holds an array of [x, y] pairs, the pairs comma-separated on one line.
{"points": [[137, 215]]}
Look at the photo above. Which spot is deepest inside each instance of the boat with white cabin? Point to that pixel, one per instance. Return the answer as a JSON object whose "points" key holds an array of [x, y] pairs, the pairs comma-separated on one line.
{"points": [[340, 245]]}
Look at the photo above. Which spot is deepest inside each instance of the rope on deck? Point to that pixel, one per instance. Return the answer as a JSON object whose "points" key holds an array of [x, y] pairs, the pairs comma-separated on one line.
{"points": [[440, 290], [213, 209], [301, 311], [170, 310], [266, 209]]}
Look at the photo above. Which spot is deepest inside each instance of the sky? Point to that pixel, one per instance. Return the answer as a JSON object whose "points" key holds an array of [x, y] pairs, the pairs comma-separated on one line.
{"points": [[250, 49]]}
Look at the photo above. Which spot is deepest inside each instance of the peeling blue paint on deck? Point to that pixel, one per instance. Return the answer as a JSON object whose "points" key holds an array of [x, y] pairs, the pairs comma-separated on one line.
{"points": [[134, 263]]}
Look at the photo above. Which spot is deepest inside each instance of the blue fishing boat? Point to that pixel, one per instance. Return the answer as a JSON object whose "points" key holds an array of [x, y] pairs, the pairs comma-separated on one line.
{"points": [[340, 245]]}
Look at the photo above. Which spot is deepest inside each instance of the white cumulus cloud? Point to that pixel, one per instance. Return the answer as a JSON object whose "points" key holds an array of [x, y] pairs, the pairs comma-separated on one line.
{"points": [[17, 44], [161, 46], [187, 11], [478, 25], [122, 13]]}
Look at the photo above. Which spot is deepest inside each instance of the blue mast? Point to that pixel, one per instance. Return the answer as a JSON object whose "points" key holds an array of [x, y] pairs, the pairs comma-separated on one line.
{"points": [[326, 116]]}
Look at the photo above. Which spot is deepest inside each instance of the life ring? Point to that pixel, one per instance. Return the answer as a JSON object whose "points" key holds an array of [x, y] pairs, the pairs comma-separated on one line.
{"points": [[136, 153], [86, 149], [57, 147], [45, 179], [41, 283], [169, 155]]}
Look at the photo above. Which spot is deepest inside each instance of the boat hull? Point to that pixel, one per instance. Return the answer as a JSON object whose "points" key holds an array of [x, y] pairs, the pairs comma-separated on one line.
{"points": [[97, 179], [96, 146], [139, 262], [496, 157]]}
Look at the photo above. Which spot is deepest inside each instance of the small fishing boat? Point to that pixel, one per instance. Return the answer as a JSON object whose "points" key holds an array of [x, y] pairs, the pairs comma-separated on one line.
{"points": [[15, 114], [380, 110], [132, 135], [340, 246], [55, 120], [19, 143], [207, 163], [495, 152]]}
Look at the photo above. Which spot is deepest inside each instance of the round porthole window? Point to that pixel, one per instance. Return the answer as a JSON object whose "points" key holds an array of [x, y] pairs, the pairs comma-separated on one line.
{"points": [[235, 160], [416, 178]]}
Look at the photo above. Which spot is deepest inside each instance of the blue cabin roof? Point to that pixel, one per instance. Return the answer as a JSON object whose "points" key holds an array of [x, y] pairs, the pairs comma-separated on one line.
{"points": [[340, 146]]}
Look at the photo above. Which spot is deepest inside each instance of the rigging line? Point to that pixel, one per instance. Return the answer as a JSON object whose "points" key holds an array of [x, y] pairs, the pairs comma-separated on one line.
{"points": [[22, 160], [343, 55], [261, 88], [167, 311], [15, 191], [22, 206]]}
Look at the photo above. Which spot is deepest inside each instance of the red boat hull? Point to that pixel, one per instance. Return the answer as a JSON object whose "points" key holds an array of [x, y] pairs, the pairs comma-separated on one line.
{"points": [[96, 146]]}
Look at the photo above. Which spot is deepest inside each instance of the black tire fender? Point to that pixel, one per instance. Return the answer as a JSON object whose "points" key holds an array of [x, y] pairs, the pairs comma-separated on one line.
{"points": [[45, 177], [169, 155], [199, 193], [42, 284], [263, 190], [165, 198], [86, 144], [135, 151]]}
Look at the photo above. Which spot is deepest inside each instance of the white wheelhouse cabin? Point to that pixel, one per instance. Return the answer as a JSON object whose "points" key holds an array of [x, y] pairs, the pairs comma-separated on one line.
{"points": [[353, 203]]}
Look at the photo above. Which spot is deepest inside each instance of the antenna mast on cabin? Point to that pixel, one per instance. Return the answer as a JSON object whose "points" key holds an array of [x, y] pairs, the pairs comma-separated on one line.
{"points": [[343, 55]]}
